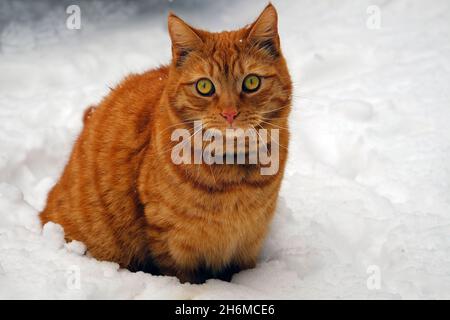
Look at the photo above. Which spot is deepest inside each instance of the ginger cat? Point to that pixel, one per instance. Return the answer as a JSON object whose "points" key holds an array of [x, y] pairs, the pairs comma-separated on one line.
{"points": [[122, 195]]}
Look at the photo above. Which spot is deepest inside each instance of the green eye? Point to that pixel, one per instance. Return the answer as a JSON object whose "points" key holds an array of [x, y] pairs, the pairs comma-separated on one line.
{"points": [[205, 87], [251, 83]]}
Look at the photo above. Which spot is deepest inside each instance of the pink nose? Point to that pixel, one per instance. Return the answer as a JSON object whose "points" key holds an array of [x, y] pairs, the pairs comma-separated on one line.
{"points": [[229, 115]]}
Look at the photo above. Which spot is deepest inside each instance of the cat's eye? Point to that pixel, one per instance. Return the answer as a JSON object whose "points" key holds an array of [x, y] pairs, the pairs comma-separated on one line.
{"points": [[251, 83], [205, 87]]}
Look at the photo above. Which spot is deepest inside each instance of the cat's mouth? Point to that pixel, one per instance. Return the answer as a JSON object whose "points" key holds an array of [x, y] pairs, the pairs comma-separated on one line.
{"points": [[238, 145], [233, 141]]}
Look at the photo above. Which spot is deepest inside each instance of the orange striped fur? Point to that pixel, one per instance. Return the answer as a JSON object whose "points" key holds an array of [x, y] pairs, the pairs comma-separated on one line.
{"points": [[122, 195]]}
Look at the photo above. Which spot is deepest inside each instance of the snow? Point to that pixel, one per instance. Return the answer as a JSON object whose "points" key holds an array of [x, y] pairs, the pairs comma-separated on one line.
{"points": [[366, 195]]}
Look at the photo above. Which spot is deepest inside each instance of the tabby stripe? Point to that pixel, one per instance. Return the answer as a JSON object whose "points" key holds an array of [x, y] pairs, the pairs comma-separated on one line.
{"points": [[96, 179]]}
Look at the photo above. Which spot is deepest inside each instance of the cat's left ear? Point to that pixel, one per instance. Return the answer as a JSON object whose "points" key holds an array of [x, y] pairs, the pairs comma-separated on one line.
{"points": [[264, 31], [184, 38]]}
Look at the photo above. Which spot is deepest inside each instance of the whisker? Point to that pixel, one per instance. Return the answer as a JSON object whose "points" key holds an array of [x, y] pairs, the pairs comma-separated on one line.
{"points": [[170, 148], [275, 141], [179, 123], [262, 140], [279, 118], [275, 109], [210, 169], [275, 125]]}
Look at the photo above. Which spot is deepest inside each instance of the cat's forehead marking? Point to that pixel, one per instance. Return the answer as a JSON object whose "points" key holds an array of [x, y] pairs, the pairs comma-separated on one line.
{"points": [[226, 57], [224, 51]]}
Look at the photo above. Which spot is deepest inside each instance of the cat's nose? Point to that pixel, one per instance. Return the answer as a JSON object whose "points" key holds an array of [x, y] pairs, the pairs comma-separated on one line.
{"points": [[229, 115]]}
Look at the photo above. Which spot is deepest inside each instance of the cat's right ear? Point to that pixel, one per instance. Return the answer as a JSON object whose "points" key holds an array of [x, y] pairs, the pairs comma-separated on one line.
{"points": [[184, 38], [264, 31]]}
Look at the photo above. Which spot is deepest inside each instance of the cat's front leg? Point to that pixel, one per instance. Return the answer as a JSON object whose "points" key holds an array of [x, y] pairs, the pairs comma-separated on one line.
{"points": [[247, 255]]}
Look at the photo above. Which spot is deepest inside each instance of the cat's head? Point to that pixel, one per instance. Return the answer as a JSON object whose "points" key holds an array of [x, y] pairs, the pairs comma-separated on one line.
{"points": [[229, 79]]}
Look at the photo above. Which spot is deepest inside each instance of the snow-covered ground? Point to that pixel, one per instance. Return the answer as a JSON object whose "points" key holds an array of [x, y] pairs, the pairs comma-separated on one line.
{"points": [[367, 190]]}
